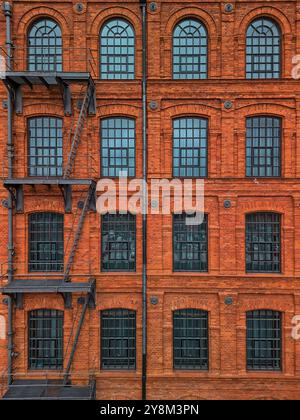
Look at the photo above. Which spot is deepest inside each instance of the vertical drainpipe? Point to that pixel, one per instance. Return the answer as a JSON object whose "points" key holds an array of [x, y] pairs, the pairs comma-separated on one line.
{"points": [[8, 15], [145, 198]]}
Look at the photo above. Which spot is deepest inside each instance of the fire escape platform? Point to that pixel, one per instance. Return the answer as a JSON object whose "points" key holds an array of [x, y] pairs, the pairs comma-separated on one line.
{"points": [[48, 390], [16, 80], [16, 187], [17, 288]]}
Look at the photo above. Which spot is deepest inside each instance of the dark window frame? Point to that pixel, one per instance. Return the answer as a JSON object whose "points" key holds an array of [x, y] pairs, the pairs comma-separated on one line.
{"points": [[253, 123], [45, 169], [116, 139], [206, 224], [204, 362], [277, 75], [202, 75], [36, 246], [40, 315], [131, 75], [32, 56], [185, 119], [259, 242], [128, 221], [131, 364], [262, 363]]}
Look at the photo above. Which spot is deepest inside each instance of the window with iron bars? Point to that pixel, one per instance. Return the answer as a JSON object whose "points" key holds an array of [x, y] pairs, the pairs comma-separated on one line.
{"points": [[263, 148], [190, 339], [263, 50], [117, 50], [118, 147], [190, 244], [46, 242], [263, 243], [45, 145], [118, 339], [264, 345], [190, 50], [118, 242], [190, 147], [45, 46], [45, 339]]}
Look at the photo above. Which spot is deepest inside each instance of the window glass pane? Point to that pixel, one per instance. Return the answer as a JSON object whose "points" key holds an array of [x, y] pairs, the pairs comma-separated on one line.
{"points": [[45, 142], [263, 233], [264, 340], [46, 242], [45, 46], [190, 50], [190, 339], [263, 50], [190, 245], [118, 242], [118, 339], [190, 147], [46, 339], [118, 147], [117, 50]]}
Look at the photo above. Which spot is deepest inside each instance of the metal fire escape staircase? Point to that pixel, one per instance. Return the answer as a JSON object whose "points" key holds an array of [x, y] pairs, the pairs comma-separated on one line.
{"points": [[17, 288]]}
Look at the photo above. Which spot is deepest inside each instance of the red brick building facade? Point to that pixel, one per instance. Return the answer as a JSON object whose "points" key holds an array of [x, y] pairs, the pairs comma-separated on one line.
{"points": [[226, 98]]}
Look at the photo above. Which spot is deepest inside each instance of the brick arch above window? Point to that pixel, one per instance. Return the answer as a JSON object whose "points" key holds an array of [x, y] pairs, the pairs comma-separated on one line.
{"points": [[130, 111], [43, 12], [43, 109], [192, 109], [272, 109]]}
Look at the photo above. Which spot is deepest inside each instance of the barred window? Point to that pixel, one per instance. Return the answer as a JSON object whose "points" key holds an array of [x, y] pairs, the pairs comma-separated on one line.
{"points": [[118, 339], [46, 339], [263, 232], [46, 242], [118, 242], [190, 244], [263, 149], [45, 145], [45, 46], [264, 340], [190, 147], [117, 50], [190, 339], [118, 146], [263, 57], [190, 50]]}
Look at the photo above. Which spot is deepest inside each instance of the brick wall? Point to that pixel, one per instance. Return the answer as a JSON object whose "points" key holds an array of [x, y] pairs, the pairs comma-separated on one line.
{"points": [[227, 377]]}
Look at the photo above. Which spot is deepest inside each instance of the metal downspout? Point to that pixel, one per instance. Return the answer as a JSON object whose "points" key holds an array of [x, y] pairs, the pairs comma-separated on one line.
{"points": [[8, 15], [145, 199]]}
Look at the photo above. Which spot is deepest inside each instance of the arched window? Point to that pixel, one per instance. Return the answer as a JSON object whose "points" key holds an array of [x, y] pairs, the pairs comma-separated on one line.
{"points": [[190, 334], [263, 50], [264, 340], [117, 50], [46, 242], [45, 46], [45, 146], [263, 237], [190, 50], [118, 339], [45, 327], [263, 146]]}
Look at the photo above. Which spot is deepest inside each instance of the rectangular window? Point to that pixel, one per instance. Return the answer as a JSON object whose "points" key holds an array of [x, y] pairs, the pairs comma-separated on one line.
{"points": [[118, 339], [263, 243], [263, 149], [118, 147], [190, 244], [118, 242], [190, 147], [46, 339], [46, 242], [264, 340], [190, 339], [45, 147]]}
